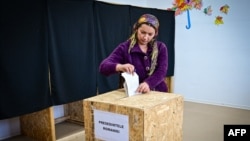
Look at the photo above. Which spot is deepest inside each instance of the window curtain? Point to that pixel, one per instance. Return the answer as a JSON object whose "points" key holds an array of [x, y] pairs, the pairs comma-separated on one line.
{"points": [[24, 84], [71, 50], [66, 40], [112, 27]]}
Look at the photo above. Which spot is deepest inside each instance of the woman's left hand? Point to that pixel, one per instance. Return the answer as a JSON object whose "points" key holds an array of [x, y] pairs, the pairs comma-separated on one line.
{"points": [[143, 88]]}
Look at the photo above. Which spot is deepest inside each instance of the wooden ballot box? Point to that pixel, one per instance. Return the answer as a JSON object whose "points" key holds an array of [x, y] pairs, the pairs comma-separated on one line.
{"points": [[155, 116]]}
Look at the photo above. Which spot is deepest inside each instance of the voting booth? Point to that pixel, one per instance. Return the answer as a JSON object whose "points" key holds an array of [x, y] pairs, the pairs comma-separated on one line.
{"points": [[112, 116]]}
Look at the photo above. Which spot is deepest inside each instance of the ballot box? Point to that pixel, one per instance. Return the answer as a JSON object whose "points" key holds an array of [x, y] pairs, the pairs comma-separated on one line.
{"points": [[112, 116]]}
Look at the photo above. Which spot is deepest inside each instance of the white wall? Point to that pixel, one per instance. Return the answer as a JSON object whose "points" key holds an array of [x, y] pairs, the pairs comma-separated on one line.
{"points": [[212, 62], [9, 128]]}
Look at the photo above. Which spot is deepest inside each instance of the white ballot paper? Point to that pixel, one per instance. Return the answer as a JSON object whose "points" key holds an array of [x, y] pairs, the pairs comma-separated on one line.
{"points": [[131, 83]]}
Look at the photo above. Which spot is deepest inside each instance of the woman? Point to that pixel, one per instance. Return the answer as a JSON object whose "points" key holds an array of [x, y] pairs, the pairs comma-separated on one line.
{"points": [[142, 54]]}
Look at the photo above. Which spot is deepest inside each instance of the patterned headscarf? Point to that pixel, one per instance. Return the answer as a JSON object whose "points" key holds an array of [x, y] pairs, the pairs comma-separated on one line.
{"points": [[154, 22], [149, 19]]}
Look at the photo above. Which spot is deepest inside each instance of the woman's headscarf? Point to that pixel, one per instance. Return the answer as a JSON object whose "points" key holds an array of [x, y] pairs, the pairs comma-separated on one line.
{"points": [[154, 22]]}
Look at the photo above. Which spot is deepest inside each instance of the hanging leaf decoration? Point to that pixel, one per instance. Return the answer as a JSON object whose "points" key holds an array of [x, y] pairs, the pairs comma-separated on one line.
{"points": [[180, 6], [224, 9], [219, 20], [208, 11]]}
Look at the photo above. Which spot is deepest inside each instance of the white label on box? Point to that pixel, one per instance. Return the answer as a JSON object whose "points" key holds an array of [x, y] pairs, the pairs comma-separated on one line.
{"points": [[111, 126]]}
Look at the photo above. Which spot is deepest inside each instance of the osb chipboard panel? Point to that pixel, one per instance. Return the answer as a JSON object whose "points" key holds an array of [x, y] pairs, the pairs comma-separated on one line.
{"points": [[135, 118], [164, 121], [75, 111], [152, 116], [169, 82], [39, 125]]}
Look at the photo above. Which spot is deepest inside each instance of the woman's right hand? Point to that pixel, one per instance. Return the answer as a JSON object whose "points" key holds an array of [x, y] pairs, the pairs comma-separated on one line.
{"points": [[125, 68]]}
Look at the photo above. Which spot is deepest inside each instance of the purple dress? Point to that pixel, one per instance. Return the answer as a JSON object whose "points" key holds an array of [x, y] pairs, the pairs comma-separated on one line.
{"points": [[141, 62]]}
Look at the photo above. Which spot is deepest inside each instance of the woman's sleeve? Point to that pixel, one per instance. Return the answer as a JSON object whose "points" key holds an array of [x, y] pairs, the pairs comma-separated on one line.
{"points": [[108, 65], [161, 69]]}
